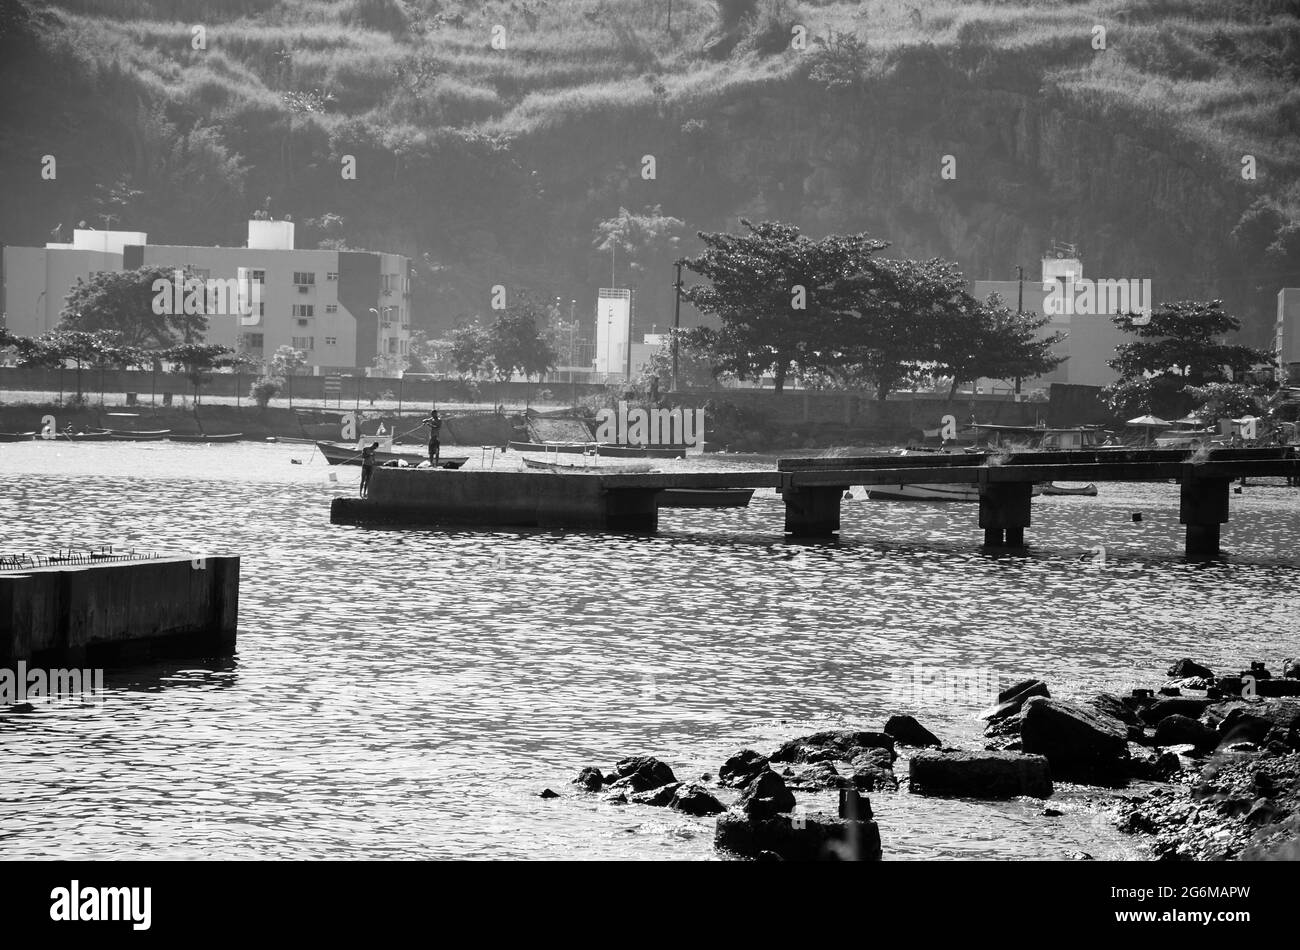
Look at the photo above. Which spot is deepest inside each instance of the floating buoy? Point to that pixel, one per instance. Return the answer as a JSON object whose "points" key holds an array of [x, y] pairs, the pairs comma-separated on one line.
{"points": [[295, 461]]}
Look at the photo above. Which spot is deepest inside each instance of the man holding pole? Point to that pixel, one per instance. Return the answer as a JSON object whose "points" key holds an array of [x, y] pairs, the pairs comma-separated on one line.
{"points": [[435, 429]]}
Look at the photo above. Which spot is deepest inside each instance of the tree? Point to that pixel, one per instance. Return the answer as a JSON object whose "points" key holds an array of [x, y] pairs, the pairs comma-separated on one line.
{"points": [[470, 350], [515, 340], [778, 295], [286, 361], [199, 359], [647, 242], [1228, 400], [992, 341], [1180, 346], [695, 366], [81, 347], [125, 303]]}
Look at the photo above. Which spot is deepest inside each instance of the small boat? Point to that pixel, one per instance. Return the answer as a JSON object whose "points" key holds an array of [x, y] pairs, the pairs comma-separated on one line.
{"points": [[350, 455], [634, 468], [1050, 488], [149, 435], [958, 492], [202, 438], [93, 436], [603, 449], [705, 497], [17, 436]]}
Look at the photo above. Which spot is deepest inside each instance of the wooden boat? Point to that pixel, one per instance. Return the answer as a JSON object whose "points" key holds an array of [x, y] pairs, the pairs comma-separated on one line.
{"points": [[937, 492], [95, 436], [634, 468], [603, 449], [203, 438], [350, 455], [151, 435], [1050, 488], [705, 497], [17, 436]]}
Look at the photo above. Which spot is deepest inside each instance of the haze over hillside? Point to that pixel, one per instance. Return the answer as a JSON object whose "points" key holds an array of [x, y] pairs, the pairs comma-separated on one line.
{"points": [[493, 164]]}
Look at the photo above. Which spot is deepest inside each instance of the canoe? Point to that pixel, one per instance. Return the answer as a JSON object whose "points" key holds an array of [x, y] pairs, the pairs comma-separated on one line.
{"points": [[705, 497], [603, 449], [348, 455], [1048, 488], [17, 436], [222, 437]]}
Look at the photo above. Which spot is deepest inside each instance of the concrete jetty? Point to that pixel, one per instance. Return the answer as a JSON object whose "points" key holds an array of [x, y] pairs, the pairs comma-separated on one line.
{"points": [[119, 611], [811, 488]]}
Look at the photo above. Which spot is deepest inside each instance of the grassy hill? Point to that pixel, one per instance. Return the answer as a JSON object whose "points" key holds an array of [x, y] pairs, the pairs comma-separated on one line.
{"points": [[494, 165]]}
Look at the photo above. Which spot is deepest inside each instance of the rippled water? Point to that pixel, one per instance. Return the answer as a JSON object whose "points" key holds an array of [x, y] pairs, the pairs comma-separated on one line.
{"points": [[409, 693]]}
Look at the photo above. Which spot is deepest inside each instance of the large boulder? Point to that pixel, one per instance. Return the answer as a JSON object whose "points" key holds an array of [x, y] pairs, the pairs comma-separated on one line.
{"points": [[1277, 686], [1185, 668], [590, 778], [741, 767], [1012, 699], [765, 796], [979, 774], [835, 744], [907, 731], [640, 773], [1291, 668], [873, 770], [1081, 744], [813, 837], [1108, 704], [659, 797], [695, 799], [1182, 730], [1188, 706], [1254, 720]]}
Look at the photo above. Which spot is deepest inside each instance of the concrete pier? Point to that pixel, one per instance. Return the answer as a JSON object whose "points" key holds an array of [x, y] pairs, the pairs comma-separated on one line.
{"points": [[119, 612], [1203, 507], [1004, 513]]}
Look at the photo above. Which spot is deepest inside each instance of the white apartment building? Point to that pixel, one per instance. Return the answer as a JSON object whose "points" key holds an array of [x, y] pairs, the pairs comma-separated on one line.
{"points": [[342, 309]]}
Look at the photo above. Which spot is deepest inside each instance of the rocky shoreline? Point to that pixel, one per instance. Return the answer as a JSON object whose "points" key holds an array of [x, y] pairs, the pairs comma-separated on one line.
{"points": [[1217, 756]]}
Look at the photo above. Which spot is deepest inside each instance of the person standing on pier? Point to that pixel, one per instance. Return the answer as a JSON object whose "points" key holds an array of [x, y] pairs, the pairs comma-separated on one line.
{"points": [[367, 466], [435, 430]]}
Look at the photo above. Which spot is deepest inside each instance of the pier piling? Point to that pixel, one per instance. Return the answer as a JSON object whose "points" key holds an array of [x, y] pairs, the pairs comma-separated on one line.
{"points": [[1203, 508], [1004, 513]]}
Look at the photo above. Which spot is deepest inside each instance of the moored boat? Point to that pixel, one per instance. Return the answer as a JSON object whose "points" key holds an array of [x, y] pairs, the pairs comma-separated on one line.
{"points": [[17, 436], [150, 435], [1051, 488], [705, 497], [632, 468], [350, 455], [204, 438], [603, 449]]}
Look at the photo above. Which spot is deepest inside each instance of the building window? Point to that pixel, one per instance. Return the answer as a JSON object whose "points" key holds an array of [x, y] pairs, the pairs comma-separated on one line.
{"points": [[331, 308], [331, 341], [392, 346], [304, 277], [331, 275], [257, 276], [302, 323], [304, 310], [253, 341], [304, 343]]}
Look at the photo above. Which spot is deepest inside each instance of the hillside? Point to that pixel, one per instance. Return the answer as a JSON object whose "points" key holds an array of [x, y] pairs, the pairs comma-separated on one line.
{"points": [[490, 165]]}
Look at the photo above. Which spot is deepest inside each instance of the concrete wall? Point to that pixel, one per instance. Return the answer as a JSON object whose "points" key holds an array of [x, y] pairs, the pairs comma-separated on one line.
{"points": [[120, 611]]}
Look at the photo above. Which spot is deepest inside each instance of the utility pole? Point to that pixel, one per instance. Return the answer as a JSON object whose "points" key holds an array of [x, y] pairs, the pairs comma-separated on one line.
{"points": [[1020, 304], [677, 317]]}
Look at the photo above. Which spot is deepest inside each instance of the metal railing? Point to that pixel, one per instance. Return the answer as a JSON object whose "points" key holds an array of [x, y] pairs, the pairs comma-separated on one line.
{"points": [[72, 555]]}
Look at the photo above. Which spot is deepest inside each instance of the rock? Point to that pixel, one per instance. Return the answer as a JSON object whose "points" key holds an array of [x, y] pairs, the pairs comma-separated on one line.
{"points": [[1190, 682], [1169, 691], [695, 800], [1291, 668], [1010, 726], [798, 838], [1024, 689], [1258, 670], [907, 731], [817, 775], [873, 770], [616, 799], [1012, 699], [765, 795], [1252, 720], [590, 778], [659, 797], [640, 773], [1184, 668], [834, 744], [1179, 706], [1081, 856], [1152, 766], [1052, 813], [1080, 743], [1108, 704], [547, 793], [1177, 730], [979, 774], [854, 806], [741, 767]]}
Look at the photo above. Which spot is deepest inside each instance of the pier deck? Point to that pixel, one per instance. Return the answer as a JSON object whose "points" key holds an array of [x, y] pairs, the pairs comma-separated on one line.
{"points": [[812, 489]]}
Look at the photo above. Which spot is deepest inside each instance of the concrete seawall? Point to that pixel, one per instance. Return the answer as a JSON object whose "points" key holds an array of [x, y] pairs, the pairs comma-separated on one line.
{"points": [[120, 611]]}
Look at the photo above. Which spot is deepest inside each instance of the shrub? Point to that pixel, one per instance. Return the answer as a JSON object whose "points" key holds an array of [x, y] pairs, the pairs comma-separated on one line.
{"points": [[265, 389]]}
